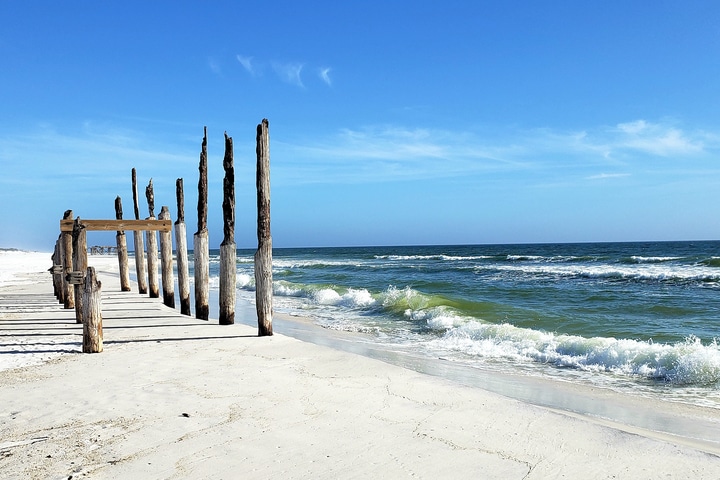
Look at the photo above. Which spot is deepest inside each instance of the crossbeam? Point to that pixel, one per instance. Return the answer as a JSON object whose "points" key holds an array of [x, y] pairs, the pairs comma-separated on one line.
{"points": [[118, 225]]}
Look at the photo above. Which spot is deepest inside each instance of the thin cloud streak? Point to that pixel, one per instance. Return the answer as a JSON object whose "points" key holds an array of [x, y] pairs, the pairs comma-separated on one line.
{"points": [[656, 139], [214, 66], [289, 72], [96, 155], [324, 74], [247, 63], [605, 176], [396, 153]]}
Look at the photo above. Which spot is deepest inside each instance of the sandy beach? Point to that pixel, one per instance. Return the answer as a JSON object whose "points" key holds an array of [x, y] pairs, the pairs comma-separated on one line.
{"points": [[175, 397]]}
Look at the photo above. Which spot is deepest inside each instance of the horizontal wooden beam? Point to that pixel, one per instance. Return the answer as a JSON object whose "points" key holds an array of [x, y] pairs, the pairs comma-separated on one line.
{"points": [[118, 225]]}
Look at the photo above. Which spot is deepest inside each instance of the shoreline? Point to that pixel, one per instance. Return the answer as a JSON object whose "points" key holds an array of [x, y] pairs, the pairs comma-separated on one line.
{"points": [[696, 425], [262, 407]]}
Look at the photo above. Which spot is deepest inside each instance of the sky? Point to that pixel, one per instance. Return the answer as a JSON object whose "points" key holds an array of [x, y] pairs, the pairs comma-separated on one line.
{"points": [[391, 123]]}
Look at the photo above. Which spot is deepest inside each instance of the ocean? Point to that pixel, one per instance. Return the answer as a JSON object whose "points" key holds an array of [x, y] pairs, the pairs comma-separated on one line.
{"points": [[641, 318]]}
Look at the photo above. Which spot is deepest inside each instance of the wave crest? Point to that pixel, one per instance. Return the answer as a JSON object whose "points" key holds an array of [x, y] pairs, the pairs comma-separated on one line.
{"points": [[686, 363]]}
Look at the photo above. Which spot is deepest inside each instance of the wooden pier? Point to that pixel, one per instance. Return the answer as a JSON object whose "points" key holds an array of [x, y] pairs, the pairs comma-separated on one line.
{"points": [[75, 283]]}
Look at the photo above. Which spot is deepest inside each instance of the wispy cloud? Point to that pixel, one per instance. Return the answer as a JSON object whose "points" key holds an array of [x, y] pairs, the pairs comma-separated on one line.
{"points": [[605, 176], [386, 152], [324, 74], [214, 66], [94, 155], [48, 169], [379, 153], [656, 139], [289, 72], [247, 63]]}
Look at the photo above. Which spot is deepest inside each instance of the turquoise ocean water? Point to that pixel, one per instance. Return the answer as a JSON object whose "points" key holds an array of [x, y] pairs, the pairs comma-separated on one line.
{"points": [[643, 318]]}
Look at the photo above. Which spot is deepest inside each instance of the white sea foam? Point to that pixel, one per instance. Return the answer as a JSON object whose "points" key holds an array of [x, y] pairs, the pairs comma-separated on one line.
{"points": [[525, 257], [641, 259], [243, 280], [649, 271], [353, 298], [280, 263], [449, 325], [286, 289], [450, 258], [438, 318], [688, 362]]}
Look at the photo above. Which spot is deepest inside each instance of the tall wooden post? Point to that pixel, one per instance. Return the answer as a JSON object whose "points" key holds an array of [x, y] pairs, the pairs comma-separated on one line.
{"points": [[263, 256], [201, 249], [92, 313], [122, 252], [228, 249], [166, 260], [139, 244], [61, 261], [181, 248], [79, 247], [67, 261], [57, 272], [152, 246]]}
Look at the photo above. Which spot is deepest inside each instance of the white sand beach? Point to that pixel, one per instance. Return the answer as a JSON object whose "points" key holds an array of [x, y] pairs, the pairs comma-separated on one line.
{"points": [[173, 397]]}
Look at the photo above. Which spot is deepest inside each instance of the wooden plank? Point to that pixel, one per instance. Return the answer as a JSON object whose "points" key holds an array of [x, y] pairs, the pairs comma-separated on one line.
{"points": [[109, 225]]}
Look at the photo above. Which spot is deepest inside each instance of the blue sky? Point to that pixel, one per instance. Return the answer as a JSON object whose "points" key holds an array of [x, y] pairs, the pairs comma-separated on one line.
{"points": [[395, 122]]}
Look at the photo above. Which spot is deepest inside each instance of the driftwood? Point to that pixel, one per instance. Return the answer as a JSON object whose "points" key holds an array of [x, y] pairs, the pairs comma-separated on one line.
{"points": [[139, 244], [181, 248], [92, 313], [152, 246], [263, 256], [79, 246], [67, 263], [228, 249], [201, 252], [166, 260], [122, 253]]}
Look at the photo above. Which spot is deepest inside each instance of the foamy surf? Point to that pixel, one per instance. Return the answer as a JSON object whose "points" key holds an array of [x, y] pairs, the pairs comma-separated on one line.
{"points": [[639, 317]]}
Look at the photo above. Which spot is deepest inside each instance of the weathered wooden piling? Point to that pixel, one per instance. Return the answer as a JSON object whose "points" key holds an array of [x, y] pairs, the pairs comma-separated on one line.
{"points": [[139, 244], [263, 256], [80, 263], [152, 246], [56, 270], [67, 262], [181, 250], [228, 249], [122, 252], [166, 261], [201, 247], [92, 313]]}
